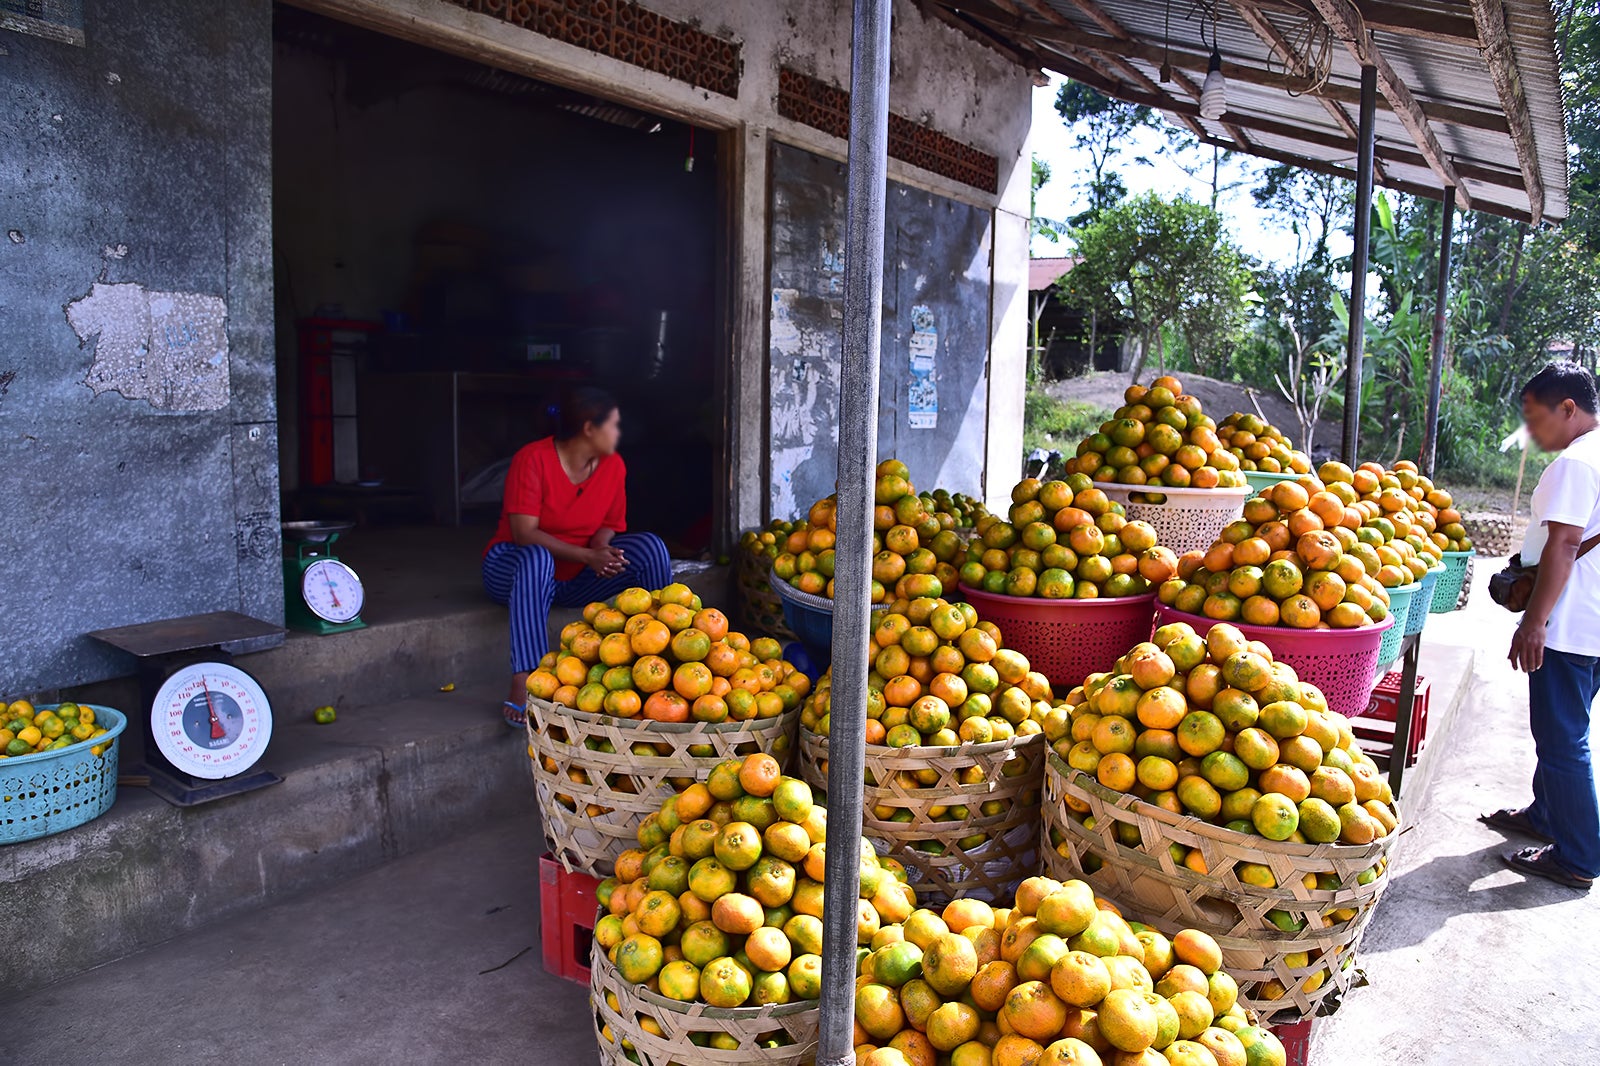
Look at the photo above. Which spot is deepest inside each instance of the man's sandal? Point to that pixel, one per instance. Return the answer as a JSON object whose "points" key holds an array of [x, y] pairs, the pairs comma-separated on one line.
{"points": [[1541, 862], [516, 716], [1514, 821]]}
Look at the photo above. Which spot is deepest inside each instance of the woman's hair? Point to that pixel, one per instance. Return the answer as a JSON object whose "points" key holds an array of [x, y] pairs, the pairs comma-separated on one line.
{"points": [[582, 406]]}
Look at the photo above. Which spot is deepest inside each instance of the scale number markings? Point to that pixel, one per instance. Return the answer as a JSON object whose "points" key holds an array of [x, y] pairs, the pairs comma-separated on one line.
{"points": [[332, 591], [211, 720]]}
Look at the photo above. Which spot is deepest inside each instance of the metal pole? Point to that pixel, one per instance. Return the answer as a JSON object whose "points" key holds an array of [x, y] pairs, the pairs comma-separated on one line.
{"points": [[1358, 264], [1430, 438], [866, 183]]}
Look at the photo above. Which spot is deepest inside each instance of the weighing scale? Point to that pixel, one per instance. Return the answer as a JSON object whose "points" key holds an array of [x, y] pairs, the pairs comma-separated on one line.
{"points": [[207, 722], [321, 594]]}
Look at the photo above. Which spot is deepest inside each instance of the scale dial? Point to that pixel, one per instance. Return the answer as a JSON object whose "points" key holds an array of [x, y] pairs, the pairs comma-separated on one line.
{"points": [[211, 720], [332, 591]]}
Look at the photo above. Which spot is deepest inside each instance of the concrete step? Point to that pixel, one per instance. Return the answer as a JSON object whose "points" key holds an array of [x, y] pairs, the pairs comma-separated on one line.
{"points": [[386, 780]]}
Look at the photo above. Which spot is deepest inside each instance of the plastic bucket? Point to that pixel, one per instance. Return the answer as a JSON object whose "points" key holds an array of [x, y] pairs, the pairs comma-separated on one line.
{"points": [[1400, 600], [1448, 590], [1422, 602], [1067, 640], [56, 790], [1186, 519], [1262, 480], [811, 618], [1343, 663]]}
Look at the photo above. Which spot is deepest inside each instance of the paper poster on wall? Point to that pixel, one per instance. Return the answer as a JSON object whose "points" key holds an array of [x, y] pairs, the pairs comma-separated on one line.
{"points": [[922, 407]]}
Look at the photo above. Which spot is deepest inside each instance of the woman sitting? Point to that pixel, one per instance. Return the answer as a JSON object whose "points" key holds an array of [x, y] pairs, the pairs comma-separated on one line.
{"points": [[561, 539]]}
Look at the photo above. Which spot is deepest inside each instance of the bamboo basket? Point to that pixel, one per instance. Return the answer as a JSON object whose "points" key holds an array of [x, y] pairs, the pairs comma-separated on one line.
{"points": [[1013, 772], [1153, 888], [592, 801], [752, 1027], [761, 607]]}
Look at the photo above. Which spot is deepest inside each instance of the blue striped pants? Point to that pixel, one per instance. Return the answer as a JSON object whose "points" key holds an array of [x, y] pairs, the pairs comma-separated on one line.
{"points": [[524, 579]]}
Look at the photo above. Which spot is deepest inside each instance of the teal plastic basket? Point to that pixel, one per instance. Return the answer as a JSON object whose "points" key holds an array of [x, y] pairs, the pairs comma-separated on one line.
{"points": [[1262, 480], [1448, 590], [57, 790], [1400, 608], [1422, 602]]}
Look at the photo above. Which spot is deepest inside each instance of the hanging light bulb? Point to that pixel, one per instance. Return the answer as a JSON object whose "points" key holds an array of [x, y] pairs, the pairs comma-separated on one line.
{"points": [[1214, 93]]}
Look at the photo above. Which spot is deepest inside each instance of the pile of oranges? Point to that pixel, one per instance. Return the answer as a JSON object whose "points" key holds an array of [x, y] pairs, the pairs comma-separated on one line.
{"points": [[663, 656], [1159, 437], [28, 730], [1431, 511], [1307, 554], [940, 677], [914, 546], [1065, 540], [1212, 727], [721, 903], [1258, 445], [1059, 979]]}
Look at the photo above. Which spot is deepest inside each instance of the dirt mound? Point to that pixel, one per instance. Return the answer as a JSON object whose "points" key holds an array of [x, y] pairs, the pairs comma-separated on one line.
{"points": [[1104, 389]]}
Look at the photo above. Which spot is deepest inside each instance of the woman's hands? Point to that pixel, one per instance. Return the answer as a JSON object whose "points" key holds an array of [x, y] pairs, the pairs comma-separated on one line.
{"points": [[605, 560]]}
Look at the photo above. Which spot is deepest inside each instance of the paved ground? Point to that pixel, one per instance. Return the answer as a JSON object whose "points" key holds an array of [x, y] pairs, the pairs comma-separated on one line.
{"points": [[1469, 962], [386, 968]]}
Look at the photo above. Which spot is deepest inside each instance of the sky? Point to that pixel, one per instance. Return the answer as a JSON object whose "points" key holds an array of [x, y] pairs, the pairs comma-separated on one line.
{"points": [[1258, 234]]}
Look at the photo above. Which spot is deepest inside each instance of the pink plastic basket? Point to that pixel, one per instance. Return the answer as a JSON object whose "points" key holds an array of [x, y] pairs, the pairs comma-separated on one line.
{"points": [[1340, 662], [1067, 640]]}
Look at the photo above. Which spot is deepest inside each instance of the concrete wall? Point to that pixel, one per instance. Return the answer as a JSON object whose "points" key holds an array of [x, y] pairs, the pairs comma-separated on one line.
{"points": [[940, 77], [138, 442]]}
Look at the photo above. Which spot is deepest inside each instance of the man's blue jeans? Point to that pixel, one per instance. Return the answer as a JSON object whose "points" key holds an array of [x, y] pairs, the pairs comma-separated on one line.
{"points": [[1564, 808]]}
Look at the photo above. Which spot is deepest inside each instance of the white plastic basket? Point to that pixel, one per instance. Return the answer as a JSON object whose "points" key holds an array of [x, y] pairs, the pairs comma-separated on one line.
{"points": [[1184, 519]]}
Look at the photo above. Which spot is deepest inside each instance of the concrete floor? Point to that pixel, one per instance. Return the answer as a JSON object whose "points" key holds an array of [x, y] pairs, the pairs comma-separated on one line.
{"points": [[1470, 962], [385, 968]]}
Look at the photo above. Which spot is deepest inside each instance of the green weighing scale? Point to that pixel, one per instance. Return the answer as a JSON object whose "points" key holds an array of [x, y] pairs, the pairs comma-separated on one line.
{"points": [[321, 594]]}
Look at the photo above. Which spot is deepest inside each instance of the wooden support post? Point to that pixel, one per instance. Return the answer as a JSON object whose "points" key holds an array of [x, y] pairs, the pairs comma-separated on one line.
{"points": [[1358, 266]]}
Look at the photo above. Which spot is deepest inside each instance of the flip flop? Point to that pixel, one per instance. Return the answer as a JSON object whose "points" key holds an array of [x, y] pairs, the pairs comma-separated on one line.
{"points": [[1514, 821], [1541, 862], [516, 717]]}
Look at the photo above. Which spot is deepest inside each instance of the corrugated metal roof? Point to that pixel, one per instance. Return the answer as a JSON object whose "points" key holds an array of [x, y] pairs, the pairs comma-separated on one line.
{"points": [[1434, 48], [1043, 271]]}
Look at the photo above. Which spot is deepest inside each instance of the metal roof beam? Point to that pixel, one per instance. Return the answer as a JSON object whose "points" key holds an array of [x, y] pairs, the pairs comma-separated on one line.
{"points": [[1347, 26], [1507, 77], [1072, 37]]}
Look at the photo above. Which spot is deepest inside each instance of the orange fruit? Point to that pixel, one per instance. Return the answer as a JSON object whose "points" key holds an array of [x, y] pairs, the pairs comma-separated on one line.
{"points": [[759, 775], [651, 639]]}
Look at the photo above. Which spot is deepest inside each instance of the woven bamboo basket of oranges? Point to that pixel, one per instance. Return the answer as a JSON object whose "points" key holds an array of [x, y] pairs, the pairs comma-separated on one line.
{"points": [[597, 776], [960, 819], [1288, 915], [761, 609], [646, 695], [635, 1026]]}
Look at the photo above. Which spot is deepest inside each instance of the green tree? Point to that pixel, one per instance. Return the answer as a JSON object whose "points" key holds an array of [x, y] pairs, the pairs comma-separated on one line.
{"points": [[1102, 127], [1152, 263], [1048, 228]]}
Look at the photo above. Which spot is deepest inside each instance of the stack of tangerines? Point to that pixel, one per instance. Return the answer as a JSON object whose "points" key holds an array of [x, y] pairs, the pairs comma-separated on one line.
{"points": [[1065, 540], [914, 545], [1059, 979], [1213, 727], [666, 657], [721, 903], [1307, 554], [1159, 437], [1259, 445], [1427, 515], [940, 677]]}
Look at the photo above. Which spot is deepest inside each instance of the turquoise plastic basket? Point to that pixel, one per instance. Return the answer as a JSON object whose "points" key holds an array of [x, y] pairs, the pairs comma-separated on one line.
{"points": [[1400, 609], [1448, 590], [56, 790], [1262, 480], [1422, 602]]}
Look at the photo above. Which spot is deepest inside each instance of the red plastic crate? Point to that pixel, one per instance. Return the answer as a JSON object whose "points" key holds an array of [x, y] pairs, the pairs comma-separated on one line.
{"points": [[1376, 728], [566, 919], [1296, 1040]]}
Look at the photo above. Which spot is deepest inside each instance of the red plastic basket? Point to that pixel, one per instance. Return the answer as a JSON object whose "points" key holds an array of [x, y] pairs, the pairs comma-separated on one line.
{"points": [[1340, 662], [566, 919], [1067, 640]]}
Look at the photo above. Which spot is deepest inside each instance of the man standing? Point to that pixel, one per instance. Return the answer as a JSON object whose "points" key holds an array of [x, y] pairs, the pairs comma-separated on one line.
{"points": [[1558, 641]]}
